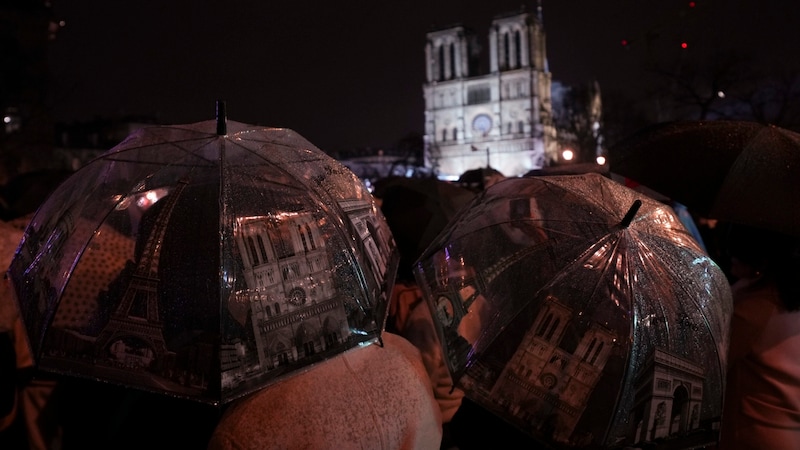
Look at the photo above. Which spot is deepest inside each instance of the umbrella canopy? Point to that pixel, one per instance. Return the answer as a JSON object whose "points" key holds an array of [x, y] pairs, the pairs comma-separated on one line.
{"points": [[581, 311], [203, 261], [737, 171]]}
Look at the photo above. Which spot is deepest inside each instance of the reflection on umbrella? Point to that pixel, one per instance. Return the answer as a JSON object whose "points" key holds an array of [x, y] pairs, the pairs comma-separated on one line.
{"points": [[570, 169], [580, 311], [417, 209], [204, 261], [736, 171]]}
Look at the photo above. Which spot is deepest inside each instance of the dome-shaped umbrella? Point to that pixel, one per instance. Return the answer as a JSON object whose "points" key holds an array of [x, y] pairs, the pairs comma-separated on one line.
{"points": [[203, 261], [582, 312]]}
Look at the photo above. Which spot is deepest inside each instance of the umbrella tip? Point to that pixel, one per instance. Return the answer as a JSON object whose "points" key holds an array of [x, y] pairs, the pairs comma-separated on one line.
{"points": [[222, 120], [626, 221]]}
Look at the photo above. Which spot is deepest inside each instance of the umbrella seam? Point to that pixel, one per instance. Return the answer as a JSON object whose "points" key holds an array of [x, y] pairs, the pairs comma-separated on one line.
{"points": [[372, 412]]}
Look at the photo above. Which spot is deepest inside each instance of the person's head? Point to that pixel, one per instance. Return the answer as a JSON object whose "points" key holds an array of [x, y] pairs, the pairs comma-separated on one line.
{"points": [[764, 255], [407, 218]]}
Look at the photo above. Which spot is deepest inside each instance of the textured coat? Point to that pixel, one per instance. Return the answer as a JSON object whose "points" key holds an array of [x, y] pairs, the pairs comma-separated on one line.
{"points": [[762, 403], [373, 397]]}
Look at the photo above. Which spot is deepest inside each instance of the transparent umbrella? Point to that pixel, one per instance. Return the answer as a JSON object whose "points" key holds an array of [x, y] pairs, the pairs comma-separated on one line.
{"points": [[203, 261], [582, 312]]}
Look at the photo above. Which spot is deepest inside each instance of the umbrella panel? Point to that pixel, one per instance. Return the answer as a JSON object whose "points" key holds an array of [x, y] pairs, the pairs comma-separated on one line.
{"points": [[206, 276], [565, 324]]}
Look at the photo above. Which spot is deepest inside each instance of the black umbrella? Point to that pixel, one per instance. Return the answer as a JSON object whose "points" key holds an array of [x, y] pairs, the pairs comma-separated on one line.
{"points": [[737, 171]]}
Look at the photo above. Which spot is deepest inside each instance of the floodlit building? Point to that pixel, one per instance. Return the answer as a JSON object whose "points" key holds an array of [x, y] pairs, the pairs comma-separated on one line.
{"points": [[502, 119]]}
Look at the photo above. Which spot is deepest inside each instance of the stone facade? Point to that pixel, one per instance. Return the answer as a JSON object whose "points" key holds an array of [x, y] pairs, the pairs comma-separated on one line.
{"points": [[502, 119]]}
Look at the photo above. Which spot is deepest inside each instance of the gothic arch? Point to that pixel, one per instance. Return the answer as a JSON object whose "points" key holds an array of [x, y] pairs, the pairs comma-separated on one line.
{"points": [[305, 340], [679, 416], [281, 353], [330, 332]]}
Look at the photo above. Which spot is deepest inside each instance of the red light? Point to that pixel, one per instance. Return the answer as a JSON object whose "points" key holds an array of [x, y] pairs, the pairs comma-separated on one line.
{"points": [[684, 45], [692, 4], [624, 42]]}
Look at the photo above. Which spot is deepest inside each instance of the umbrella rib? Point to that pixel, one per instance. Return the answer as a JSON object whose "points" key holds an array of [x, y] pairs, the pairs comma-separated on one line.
{"points": [[504, 263], [113, 156], [674, 274]]}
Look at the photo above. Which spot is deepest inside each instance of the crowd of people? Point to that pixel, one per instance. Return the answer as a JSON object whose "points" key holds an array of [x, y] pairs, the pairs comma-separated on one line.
{"points": [[398, 394], [762, 401]]}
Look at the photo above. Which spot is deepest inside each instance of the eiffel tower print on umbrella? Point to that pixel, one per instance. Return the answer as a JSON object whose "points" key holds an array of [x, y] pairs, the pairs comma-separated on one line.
{"points": [[126, 326]]}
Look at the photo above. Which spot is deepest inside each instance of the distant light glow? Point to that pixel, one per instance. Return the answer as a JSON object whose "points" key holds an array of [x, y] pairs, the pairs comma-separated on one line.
{"points": [[567, 154], [720, 94], [684, 45], [147, 199], [601, 160]]}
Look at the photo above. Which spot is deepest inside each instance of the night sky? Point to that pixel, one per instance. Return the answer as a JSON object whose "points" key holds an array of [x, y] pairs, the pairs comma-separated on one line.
{"points": [[349, 73]]}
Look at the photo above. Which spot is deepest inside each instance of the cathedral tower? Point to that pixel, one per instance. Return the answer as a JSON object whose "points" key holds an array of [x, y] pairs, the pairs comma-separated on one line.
{"points": [[502, 119]]}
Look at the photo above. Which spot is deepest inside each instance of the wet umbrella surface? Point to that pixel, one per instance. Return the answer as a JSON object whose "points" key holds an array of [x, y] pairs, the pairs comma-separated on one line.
{"points": [[203, 261], [737, 171], [582, 312]]}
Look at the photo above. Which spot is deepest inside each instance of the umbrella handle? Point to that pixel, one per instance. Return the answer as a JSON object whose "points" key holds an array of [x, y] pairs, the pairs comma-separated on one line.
{"points": [[626, 221]]}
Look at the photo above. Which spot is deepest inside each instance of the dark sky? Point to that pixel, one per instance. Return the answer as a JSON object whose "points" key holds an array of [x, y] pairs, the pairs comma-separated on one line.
{"points": [[346, 73]]}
